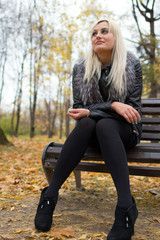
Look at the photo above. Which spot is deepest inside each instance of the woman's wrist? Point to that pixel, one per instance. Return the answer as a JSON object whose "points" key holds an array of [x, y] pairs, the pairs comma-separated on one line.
{"points": [[113, 105], [88, 113]]}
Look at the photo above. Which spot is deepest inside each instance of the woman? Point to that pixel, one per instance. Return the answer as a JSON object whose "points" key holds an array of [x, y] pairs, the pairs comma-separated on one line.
{"points": [[107, 88]]}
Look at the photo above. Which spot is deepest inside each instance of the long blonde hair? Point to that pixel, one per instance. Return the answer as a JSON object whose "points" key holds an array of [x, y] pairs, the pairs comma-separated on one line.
{"points": [[117, 75]]}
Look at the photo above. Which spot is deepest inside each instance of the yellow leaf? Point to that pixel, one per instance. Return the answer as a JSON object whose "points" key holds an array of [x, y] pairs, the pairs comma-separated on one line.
{"points": [[83, 237], [18, 231], [31, 50], [12, 208], [61, 232], [24, 206], [18, 198], [41, 21]]}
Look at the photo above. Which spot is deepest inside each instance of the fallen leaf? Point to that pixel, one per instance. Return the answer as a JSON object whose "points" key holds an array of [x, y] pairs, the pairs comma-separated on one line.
{"points": [[18, 231], [158, 234], [99, 235], [83, 237], [57, 215], [57, 233], [12, 208], [153, 191], [156, 219], [24, 206], [66, 232], [6, 237]]}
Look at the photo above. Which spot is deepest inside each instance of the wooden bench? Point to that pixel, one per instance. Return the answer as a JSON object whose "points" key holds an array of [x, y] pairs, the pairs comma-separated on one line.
{"points": [[142, 159]]}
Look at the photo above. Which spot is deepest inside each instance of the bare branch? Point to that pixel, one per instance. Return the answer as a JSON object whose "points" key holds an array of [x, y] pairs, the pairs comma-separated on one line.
{"points": [[143, 13], [153, 4], [131, 41], [148, 2], [157, 18], [144, 6], [135, 17], [139, 30]]}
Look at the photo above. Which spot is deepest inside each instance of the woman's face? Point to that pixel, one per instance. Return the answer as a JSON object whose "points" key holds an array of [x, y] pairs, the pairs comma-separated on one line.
{"points": [[102, 39]]}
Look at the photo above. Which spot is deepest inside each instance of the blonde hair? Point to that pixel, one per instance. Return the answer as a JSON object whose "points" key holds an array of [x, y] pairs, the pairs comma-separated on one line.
{"points": [[117, 75]]}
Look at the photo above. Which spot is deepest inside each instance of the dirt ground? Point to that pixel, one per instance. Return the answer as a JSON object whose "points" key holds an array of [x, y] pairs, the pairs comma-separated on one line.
{"points": [[79, 215]]}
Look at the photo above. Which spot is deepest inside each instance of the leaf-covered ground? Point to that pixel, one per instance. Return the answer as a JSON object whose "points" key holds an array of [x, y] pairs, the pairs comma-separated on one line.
{"points": [[85, 215]]}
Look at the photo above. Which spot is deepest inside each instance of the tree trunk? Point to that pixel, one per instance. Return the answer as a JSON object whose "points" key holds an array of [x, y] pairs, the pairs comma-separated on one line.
{"points": [[67, 105], [3, 139], [19, 100], [35, 78], [18, 118], [4, 53], [48, 108], [61, 109], [12, 118], [32, 127], [54, 120], [61, 121], [32, 116]]}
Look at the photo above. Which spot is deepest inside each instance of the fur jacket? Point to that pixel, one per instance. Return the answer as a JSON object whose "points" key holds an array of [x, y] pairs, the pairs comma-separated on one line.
{"points": [[88, 95]]}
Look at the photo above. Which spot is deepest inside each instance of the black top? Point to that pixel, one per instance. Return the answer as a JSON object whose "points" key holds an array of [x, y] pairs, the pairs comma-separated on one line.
{"points": [[104, 74]]}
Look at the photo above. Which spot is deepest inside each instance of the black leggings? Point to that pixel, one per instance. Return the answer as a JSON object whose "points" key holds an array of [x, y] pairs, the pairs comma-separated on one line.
{"points": [[113, 137]]}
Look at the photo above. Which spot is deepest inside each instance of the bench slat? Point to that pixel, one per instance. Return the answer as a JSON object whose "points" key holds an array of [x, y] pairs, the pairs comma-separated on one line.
{"points": [[150, 102], [152, 129], [143, 146], [150, 136], [135, 155], [150, 110], [97, 167], [146, 145], [144, 157], [147, 120]]}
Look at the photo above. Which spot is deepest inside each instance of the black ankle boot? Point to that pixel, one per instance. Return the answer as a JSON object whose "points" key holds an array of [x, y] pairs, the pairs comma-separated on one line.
{"points": [[43, 218], [123, 227]]}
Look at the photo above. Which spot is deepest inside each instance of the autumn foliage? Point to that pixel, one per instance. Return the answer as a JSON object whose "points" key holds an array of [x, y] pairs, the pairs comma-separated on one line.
{"points": [[85, 215]]}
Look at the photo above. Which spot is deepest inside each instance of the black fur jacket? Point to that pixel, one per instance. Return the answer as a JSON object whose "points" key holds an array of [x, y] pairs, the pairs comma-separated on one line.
{"points": [[89, 95]]}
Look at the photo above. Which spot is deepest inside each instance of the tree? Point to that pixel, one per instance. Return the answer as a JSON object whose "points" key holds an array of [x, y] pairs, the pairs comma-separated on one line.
{"points": [[39, 40], [3, 139], [35, 68], [148, 42], [4, 34]]}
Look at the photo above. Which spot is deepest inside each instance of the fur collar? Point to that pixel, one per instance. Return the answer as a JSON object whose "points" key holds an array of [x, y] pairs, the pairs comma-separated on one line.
{"points": [[90, 92]]}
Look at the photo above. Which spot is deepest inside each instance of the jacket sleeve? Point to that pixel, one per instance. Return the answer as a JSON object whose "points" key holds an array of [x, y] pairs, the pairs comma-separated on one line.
{"points": [[134, 97], [100, 109]]}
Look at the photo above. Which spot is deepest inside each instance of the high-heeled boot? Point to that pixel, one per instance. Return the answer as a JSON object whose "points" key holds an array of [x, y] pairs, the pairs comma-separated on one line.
{"points": [[123, 227], [46, 206]]}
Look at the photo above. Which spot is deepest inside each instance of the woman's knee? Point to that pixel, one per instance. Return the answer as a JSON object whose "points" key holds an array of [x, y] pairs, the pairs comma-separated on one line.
{"points": [[106, 126], [86, 123]]}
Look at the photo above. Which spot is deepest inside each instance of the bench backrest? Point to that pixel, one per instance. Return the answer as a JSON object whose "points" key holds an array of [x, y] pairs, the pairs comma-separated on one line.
{"points": [[151, 119]]}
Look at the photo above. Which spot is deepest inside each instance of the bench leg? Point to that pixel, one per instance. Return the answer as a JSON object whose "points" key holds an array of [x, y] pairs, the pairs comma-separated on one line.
{"points": [[77, 175], [48, 174]]}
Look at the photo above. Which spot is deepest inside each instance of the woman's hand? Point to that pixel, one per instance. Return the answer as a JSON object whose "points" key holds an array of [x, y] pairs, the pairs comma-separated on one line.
{"points": [[78, 113], [127, 111]]}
